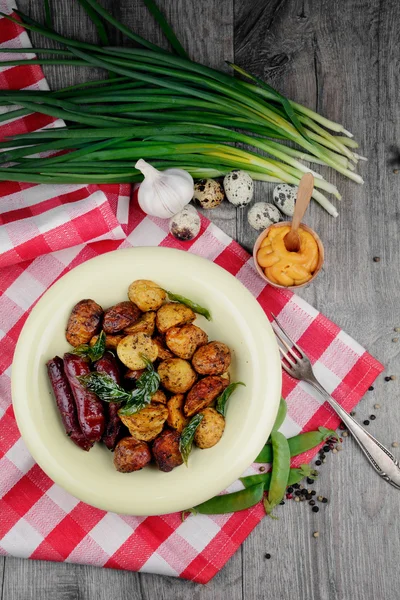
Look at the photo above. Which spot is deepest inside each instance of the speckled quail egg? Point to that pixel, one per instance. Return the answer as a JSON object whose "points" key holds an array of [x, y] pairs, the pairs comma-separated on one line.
{"points": [[208, 193], [185, 225], [284, 197], [238, 186], [262, 214]]}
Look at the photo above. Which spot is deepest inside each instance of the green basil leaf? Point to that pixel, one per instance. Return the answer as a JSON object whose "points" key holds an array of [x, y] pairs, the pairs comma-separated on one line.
{"points": [[224, 397], [104, 387], [147, 385], [193, 305], [94, 352], [187, 435]]}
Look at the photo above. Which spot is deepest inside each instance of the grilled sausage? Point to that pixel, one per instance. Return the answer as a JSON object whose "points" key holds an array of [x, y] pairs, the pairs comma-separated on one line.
{"points": [[89, 408], [65, 403], [203, 393], [131, 455], [119, 316], [166, 450], [108, 365], [84, 322]]}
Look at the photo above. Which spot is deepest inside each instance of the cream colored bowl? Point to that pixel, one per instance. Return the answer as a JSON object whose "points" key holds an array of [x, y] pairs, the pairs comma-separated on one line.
{"points": [[238, 320]]}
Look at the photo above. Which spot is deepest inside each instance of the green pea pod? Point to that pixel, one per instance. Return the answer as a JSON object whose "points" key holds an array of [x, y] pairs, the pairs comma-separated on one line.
{"points": [[193, 305], [280, 417], [280, 471], [224, 397], [229, 503], [187, 435], [299, 443], [295, 475]]}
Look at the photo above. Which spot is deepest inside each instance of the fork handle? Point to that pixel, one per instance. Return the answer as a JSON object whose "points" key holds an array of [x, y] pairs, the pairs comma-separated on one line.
{"points": [[383, 461]]}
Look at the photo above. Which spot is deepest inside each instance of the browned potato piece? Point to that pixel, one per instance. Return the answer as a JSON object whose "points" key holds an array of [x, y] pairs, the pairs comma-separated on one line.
{"points": [[159, 397], [173, 314], [176, 375], [183, 341], [146, 324], [120, 316], [203, 393], [163, 352], [210, 429], [112, 341], [146, 424], [166, 450], [146, 294], [176, 418], [84, 322], [212, 359], [131, 455], [131, 348]]}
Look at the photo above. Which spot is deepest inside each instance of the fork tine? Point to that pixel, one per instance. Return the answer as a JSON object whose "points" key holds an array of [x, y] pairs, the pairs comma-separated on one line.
{"points": [[284, 343], [282, 331], [288, 370], [286, 357]]}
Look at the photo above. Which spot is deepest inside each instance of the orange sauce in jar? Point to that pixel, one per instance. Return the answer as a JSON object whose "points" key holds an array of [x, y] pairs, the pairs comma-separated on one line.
{"points": [[288, 268]]}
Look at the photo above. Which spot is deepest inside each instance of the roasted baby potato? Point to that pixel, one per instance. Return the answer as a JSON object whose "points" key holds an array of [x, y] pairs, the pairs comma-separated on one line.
{"points": [[163, 352], [112, 341], [183, 341], [212, 359], [159, 397], [145, 324], [131, 348], [146, 424], [203, 393], [176, 375], [84, 322], [131, 455], [176, 419], [120, 316], [210, 429], [166, 450], [173, 314], [146, 294]]}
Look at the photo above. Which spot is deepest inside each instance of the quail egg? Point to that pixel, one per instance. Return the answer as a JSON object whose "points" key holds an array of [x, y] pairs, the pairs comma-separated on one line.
{"points": [[185, 225], [208, 193], [238, 187], [284, 197], [262, 214]]}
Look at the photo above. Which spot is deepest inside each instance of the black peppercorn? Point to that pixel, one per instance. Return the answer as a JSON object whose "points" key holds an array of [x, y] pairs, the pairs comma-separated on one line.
{"points": [[318, 463], [372, 417], [296, 486], [289, 490], [313, 493], [366, 422], [315, 509], [312, 503], [324, 500], [310, 480], [387, 378], [267, 556], [371, 388]]}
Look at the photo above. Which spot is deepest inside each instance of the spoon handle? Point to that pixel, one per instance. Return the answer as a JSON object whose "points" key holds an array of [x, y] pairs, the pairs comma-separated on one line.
{"points": [[306, 187]]}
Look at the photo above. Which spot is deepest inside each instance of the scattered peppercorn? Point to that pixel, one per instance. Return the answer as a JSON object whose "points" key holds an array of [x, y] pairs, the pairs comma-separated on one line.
{"points": [[371, 388], [308, 497], [377, 405], [395, 339], [313, 493], [312, 503], [353, 413], [316, 534], [310, 481], [324, 460], [289, 496], [318, 463], [397, 329], [395, 171], [296, 486], [324, 500], [366, 422], [322, 455], [387, 378], [395, 444], [326, 448], [339, 447], [393, 377], [297, 499], [334, 451], [342, 426], [315, 509], [377, 259], [282, 502], [372, 417], [261, 469], [297, 493], [267, 556], [345, 434], [289, 490]]}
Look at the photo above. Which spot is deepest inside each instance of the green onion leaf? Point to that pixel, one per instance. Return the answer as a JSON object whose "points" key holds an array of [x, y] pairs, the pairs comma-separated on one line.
{"points": [[193, 305], [94, 352], [224, 397], [166, 28], [187, 436]]}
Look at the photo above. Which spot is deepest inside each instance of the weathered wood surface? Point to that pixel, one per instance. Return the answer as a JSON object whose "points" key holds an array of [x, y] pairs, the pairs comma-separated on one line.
{"points": [[341, 57]]}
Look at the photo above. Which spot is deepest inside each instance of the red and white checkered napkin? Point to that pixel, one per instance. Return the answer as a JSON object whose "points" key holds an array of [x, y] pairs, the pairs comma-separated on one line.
{"points": [[38, 519]]}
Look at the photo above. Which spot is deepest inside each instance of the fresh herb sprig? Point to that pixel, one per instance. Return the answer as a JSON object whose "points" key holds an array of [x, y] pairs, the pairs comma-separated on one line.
{"points": [[94, 352], [187, 436], [107, 390], [193, 305], [224, 397]]}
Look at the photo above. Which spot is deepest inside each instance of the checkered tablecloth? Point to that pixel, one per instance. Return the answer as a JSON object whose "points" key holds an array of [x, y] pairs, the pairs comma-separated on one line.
{"points": [[46, 231]]}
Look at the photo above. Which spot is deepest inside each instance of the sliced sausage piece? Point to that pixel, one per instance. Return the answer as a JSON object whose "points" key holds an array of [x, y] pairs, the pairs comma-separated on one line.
{"points": [[84, 322], [89, 408], [122, 315], [66, 403], [166, 450], [203, 393], [109, 366], [131, 455]]}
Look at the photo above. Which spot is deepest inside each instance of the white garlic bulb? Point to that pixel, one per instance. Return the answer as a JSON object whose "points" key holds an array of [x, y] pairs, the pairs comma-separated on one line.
{"points": [[163, 193]]}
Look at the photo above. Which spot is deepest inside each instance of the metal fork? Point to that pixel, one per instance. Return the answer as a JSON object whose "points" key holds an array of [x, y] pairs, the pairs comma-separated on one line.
{"points": [[299, 367]]}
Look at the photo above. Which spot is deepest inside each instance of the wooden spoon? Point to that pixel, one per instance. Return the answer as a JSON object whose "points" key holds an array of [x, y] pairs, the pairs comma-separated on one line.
{"points": [[306, 187]]}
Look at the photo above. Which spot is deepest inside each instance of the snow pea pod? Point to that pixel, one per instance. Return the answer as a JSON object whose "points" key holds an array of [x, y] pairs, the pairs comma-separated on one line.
{"points": [[280, 471], [299, 443], [228, 503], [295, 476], [280, 417]]}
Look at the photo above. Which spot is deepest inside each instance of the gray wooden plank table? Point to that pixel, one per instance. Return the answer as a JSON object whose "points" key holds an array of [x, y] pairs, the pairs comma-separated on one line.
{"points": [[341, 57]]}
